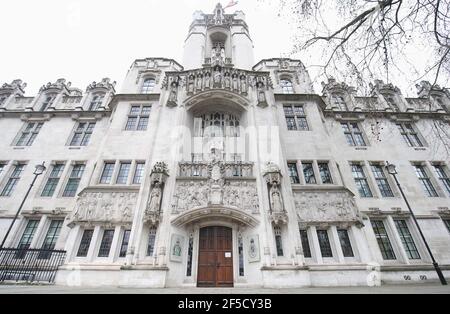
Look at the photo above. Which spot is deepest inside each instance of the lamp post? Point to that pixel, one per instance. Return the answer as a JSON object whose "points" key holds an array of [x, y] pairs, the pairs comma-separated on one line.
{"points": [[39, 169], [391, 169]]}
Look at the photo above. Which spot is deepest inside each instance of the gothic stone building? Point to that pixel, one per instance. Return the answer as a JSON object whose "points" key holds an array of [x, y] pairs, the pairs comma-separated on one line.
{"points": [[222, 172]]}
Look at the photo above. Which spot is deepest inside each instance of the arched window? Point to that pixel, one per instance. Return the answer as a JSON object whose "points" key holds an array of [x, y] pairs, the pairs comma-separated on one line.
{"points": [[48, 101], [97, 101], [219, 125], [286, 86], [148, 86], [339, 101]]}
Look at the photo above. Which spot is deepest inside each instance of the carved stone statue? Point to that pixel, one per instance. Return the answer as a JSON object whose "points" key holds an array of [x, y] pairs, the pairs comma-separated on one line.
{"points": [[208, 80], [191, 84], [261, 92], [199, 82], [235, 83], [244, 85], [227, 81], [276, 200], [154, 203], [173, 93], [217, 78]]}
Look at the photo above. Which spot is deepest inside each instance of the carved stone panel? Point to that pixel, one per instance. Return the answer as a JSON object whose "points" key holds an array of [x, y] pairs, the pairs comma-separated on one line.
{"points": [[241, 194], [104, 207], [327, 206]]}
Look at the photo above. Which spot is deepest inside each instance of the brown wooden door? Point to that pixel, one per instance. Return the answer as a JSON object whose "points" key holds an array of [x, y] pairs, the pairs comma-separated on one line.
{"points": [[215, 261]]}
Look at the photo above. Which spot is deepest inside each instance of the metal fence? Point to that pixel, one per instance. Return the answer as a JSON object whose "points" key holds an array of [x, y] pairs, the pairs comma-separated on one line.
{"points": [[30, 265]]}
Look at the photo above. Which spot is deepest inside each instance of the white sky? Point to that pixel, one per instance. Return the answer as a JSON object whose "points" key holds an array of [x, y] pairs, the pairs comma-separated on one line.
{"points": [[84, 41]]}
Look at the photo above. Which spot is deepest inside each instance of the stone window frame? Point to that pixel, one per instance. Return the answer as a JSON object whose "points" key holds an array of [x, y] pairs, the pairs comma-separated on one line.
{"points": [[87, 245], [288, 89], [297, 116], [8, 176], [367, 176], [83, 132], [96, 100], [408, 132], [297, 175], [148, 89], [134, 171], [3, 168], [30, 133], [4, 97], [376, 191], [340, 101], [444, 181], [432, 188], [351, 132], [47, 101], [392, 101], [138, 117], [115, 172], [68, 177], [48, 175], [399, 250]]}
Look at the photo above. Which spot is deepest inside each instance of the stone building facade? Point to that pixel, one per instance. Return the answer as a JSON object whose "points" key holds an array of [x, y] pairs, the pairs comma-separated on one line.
{"points": [[220, 172]]}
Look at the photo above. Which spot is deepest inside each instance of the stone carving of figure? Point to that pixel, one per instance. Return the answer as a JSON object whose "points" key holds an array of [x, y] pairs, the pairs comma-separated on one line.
{"points": [[173, 92], [244, 85], [252, 252], [217, 78], [235, 83], [208, 80], [276, 200], [199, 82], [227, 81], [191, 84], [261, 92], [222, 54], [155, 198]]}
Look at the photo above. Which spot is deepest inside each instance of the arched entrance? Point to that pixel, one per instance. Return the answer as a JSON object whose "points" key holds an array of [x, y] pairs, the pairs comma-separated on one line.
{"points": [[215, 260]]}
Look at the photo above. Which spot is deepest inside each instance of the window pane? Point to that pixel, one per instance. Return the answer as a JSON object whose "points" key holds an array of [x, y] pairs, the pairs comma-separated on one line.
{"points": [[28, 234], [85, 243], [291, 125], [151, 242], [325, 173], [305, 244], [139, 173], [383, 240], [425, 181], [105, 245], [293, 174], [407, 240], [13, 180], [143, 123], [125, 241], [345, 243], [278, 241], [361, 181], [324, 243], [131, 124], [107, 173], [124, 170], [50, 239], [74, 180], [308, 172], [443, 177], [382, 181]]}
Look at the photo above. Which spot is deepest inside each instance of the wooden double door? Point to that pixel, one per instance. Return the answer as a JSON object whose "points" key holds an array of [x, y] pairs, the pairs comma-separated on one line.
{"points": [[215, 261]]}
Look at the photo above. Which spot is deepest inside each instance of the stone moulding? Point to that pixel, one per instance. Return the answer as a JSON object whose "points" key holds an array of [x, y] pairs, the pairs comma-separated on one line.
{"points": [[212, 212]]}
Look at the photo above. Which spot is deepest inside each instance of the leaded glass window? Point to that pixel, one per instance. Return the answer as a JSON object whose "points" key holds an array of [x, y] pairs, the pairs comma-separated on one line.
{"points": [[305, 244], [409, 134], [139, 173], [190, 256], [278, 241], [96, 102], [74, 180], [151, 242], [382, 181], [325, 173], [425, 181], [361, 181], [29, 134], [82, 134], [50, 239], [443, 176], [125, 242], [28, 234], [346, 245], [107, 173], [13, 180], [105, 245], [353, 134], [53, 180], [293, 174], [383, 240], [138, 118], [407, 239], [148, 86], [85, 243], [286, 86], [324, 243], [295, 118], [124, 171]]}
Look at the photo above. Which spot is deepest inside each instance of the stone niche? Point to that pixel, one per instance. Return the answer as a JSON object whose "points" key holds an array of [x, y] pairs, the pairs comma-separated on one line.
{"points": [[99, 207], [337, 207]]}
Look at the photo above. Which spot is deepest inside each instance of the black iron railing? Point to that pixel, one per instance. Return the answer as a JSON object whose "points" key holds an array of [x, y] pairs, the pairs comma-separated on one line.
{"points": [[30, 265]]}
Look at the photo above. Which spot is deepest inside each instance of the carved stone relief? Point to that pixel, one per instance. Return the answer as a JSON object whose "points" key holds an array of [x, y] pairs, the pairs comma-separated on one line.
{"points": [[326, 207], [107, 207]]}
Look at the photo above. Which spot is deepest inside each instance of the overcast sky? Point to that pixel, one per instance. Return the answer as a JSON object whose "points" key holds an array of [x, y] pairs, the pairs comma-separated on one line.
{"points": [[84, 41]]}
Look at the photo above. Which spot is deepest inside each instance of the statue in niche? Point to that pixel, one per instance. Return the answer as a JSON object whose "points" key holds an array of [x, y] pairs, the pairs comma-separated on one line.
{"points": [[227, 81], [244, 85], [261, 92], [208, 80], [173, 92], [217, 77], [177, 248], [276, 200], [154, 204], [191, 84], [199, 82], [235, 83]]}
